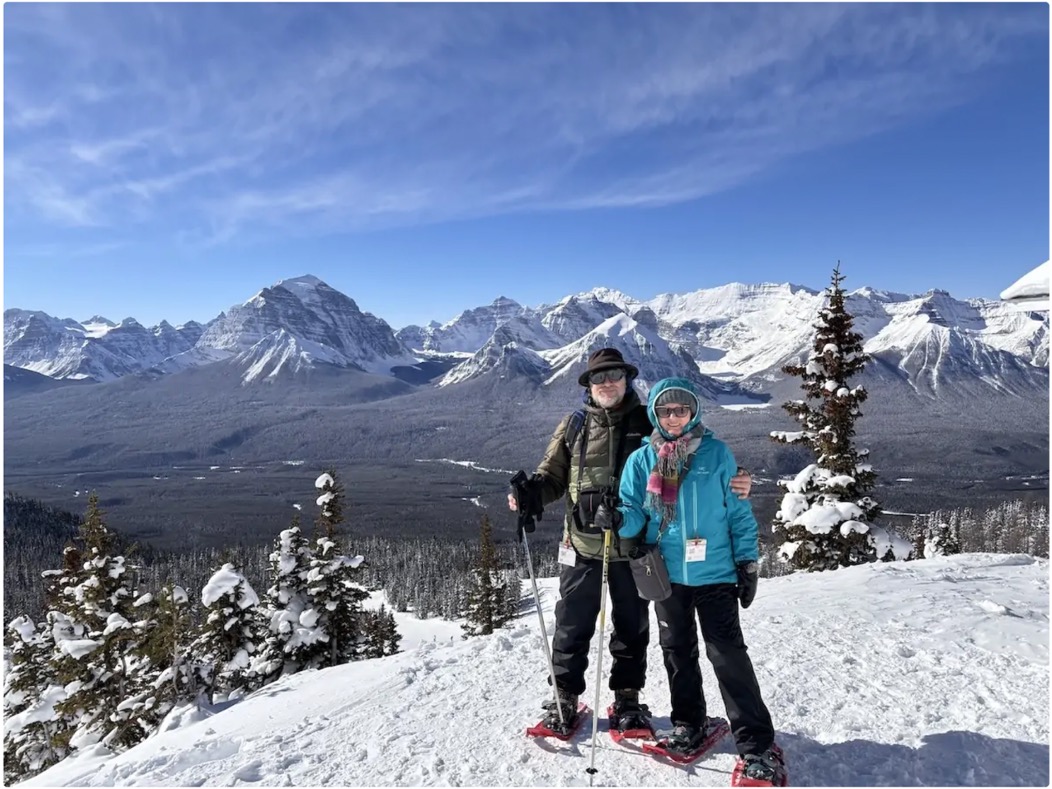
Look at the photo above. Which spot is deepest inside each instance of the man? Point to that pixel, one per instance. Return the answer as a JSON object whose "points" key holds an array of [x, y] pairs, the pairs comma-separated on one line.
{"points": [[584, 463]]}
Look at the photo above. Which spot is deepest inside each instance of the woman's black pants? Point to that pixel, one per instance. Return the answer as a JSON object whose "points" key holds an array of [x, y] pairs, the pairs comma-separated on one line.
{"points": [[716, 609]]}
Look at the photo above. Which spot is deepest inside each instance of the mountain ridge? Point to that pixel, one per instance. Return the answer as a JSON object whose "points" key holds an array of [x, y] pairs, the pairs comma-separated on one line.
{"points": [[734, 335]]}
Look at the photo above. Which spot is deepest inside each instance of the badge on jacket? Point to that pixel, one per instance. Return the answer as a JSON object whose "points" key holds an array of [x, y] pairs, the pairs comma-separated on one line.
{"points": [[696, 550], [567, 555]]}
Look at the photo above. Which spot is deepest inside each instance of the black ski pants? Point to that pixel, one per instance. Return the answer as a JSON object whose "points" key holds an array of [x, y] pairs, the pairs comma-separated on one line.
{"points": [[716, 609], [576, 615]]}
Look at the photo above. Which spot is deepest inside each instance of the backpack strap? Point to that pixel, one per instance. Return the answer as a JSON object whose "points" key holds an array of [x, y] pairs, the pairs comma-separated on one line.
{"points": [[578, 421], [573, 427]]}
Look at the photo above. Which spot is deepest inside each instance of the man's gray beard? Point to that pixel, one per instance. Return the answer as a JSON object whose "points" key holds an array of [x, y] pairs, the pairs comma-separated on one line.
{"points": [[608, 402]]}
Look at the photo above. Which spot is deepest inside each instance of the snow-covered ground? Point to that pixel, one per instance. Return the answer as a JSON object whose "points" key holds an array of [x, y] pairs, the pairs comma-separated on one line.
{"points": [[933, 672]]}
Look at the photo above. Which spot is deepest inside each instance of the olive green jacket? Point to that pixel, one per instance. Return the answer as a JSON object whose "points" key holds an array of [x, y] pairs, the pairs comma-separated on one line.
{"points": [[562, 473]]}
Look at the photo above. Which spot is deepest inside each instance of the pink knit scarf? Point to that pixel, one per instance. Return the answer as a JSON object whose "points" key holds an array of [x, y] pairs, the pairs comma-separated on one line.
{"points": [[663, 483]]}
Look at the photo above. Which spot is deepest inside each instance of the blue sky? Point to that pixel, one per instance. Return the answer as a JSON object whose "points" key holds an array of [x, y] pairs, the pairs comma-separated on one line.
{"points": [[168, 161]]}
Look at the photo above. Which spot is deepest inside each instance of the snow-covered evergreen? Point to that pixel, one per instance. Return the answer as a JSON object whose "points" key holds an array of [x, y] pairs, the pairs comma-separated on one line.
{"points": [[827, 517], [162, 676], [332, 582], [230, 635], [98, 663], [30, 692], [291, 618]]}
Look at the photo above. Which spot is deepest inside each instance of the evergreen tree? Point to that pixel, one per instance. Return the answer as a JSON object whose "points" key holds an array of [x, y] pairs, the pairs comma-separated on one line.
{"points": [[389, 634], [291, 630], [826, 519], [331, 582], [229, 636], [30, 692], [512, 598], [97, 654], [919, 534], [1038, 528], [485, 609], [381, 636], [159, 675]]}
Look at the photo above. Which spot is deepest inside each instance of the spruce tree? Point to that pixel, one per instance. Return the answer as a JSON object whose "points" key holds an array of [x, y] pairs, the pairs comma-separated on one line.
{"points": [[380, 633], [97, 655], [331, 582], [389, 632], [229, 636], [290, 617], [485, 611], [30, 692], [160, 677], [826, 519], [512, 597]]}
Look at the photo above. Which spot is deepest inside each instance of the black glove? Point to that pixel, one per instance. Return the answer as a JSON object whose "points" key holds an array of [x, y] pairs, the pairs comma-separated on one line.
{"points": [[607, 514], [528, 492], [748, 578]]}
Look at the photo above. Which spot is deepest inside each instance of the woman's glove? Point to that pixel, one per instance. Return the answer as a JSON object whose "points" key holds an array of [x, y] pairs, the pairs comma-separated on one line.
{"points": [[748, 578]]}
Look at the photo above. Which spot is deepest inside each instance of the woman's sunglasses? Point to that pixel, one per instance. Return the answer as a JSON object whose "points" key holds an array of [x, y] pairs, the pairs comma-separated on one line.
{"points": [[678, 411], [603, 376]]}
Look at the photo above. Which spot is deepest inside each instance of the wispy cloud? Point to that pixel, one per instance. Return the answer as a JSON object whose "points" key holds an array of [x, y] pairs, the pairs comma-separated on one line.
{"points": [[210, 121]]}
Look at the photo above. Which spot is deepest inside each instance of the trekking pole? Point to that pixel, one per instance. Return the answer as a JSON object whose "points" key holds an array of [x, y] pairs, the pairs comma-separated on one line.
{"points": [[544, 630], [599, 661]]}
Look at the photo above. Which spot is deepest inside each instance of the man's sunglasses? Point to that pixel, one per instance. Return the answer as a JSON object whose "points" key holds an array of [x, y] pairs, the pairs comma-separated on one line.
{"points": [[603, 376], [678, 411]]}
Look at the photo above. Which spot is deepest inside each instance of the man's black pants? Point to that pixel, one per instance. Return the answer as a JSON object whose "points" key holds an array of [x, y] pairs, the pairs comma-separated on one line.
{"points": [[576, 615], [716, 608]]}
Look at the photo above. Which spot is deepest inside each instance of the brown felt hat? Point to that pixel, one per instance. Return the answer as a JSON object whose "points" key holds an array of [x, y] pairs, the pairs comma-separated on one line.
{"points": [[607, 359]]}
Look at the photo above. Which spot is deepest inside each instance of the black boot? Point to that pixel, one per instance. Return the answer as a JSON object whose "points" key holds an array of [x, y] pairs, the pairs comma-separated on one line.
{"points": [[627, 713], [568, 703]]}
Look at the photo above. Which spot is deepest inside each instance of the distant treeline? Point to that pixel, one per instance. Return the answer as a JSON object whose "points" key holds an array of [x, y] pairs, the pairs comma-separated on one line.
{"points": [[427, 575]]}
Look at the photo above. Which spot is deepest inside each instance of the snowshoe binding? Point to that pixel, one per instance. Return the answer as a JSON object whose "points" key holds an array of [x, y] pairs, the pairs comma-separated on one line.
{"points": [[765, 769], [685, 744], [628, 719], [551, 725]]}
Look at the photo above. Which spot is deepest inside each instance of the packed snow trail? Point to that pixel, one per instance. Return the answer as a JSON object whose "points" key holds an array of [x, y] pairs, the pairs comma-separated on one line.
{"points": [[924, 673]]}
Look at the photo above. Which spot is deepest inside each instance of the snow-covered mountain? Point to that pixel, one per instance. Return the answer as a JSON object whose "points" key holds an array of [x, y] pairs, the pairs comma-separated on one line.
{"points": [[930, 345], [502, 356], [506, 356], [927, 673], [575, 316], [467, 332], [298, 323], [97, 349], [747, 332]]}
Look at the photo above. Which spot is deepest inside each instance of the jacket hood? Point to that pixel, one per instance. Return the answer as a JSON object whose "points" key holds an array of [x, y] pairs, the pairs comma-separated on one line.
{"points": [[673, 383]]}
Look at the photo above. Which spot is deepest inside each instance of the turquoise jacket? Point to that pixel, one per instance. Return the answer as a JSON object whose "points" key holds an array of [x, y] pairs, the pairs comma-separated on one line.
{"points": [[706, 509]]}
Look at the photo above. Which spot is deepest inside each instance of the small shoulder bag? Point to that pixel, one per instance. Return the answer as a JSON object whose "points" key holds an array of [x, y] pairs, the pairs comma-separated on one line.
{"points": [[648, 565]]}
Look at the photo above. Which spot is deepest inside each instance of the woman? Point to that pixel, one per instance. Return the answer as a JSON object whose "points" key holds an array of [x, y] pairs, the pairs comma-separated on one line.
{"points": [[706, 539]]}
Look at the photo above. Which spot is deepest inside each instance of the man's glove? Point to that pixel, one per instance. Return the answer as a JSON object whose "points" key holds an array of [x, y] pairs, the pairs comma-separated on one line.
{"points": [[607, 514], [528, 500], [748, 578]]}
